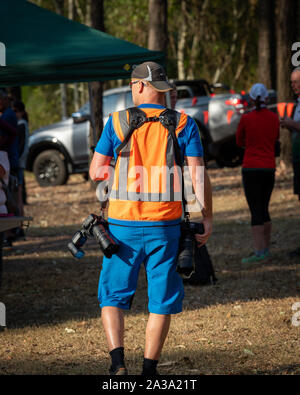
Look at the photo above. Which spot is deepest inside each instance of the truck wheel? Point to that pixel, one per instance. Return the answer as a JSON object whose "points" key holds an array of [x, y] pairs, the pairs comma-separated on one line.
{"points": [[50, 168]]}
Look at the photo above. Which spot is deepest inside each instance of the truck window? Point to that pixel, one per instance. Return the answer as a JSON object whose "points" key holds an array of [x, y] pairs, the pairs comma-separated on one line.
{"points": [[128, 100], [110, 103], [183, 93]]}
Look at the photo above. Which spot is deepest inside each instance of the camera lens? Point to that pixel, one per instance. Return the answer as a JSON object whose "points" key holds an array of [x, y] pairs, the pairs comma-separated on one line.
{"points": [[185, 263], [106, 243]]}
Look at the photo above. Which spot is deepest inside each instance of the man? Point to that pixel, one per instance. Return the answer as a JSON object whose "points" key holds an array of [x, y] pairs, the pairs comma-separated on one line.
{"points": [[294, 126], [147, 231]]}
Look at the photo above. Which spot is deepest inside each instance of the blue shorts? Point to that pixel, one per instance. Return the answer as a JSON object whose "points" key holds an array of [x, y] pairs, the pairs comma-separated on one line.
{"points": [[156, 247]]}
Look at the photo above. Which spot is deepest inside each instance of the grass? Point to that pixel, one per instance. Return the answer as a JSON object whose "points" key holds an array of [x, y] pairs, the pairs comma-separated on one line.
{"points": [[242, 325]]}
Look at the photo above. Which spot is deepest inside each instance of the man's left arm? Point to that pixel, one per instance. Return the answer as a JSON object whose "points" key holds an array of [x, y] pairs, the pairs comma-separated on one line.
{"points": [[203, 197]]}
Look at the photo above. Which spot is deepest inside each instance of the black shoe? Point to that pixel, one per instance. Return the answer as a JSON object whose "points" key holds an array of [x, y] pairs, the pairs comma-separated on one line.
{"points": [[295, 253], [118, 371]]}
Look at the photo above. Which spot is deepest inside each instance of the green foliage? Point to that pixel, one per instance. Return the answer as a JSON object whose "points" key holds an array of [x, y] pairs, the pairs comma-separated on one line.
{"points": [[127, 20], [220, 43], [43, 104]]}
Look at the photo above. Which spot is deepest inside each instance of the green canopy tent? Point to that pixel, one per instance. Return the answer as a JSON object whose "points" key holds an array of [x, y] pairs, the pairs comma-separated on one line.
{"points": [[43, 47]]}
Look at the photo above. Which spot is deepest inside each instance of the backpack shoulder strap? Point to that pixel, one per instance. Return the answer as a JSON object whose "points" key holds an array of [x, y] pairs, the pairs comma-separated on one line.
{"points": [[170, 119], [137, 118]]}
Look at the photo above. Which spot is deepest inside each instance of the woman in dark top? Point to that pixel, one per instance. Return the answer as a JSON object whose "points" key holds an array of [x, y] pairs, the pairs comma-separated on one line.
{"points": [[258, 132]]}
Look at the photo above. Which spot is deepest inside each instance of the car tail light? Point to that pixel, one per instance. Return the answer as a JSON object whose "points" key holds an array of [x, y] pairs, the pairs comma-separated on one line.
{"points": [[238, 103]]}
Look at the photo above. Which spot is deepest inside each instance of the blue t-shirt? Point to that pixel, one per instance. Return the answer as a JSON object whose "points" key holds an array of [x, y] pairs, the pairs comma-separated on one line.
{"points": [[188, 139], [9, 116]]}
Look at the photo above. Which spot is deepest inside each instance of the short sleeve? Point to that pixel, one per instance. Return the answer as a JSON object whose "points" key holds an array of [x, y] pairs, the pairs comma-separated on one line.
{"points": [[192, 140], [105, 144]]}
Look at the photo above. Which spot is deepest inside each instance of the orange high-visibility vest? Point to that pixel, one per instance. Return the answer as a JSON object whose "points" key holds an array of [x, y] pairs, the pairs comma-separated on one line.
{"points": [[285, 109], [147, 182]]}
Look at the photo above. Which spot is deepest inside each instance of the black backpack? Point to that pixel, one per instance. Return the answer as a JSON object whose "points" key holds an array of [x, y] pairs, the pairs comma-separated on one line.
{"points": [[204, 273]]}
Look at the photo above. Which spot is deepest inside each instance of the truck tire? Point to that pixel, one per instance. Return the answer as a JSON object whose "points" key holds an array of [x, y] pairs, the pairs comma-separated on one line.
{"points": [[50, 168]]}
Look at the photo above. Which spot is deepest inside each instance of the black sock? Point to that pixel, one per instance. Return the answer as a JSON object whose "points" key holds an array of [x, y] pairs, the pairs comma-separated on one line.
{"points": [[149, 367], [117, 357]]}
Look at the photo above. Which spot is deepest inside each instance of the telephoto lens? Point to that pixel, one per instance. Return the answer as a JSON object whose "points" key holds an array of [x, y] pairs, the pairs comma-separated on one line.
{"points": [[106, 243], [76, 252], [78, 241], [185, 261]]}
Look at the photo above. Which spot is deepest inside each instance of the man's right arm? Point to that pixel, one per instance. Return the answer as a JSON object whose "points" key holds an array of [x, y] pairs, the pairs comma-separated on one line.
{"points": [[103, 153], [99, 166], [204, 197], [289, 123]]}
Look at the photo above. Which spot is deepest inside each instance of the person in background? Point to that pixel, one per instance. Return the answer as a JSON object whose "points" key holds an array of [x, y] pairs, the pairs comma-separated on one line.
{"points": [[258, 132], [9, 116], [23, 133], [4, 176], [294, 126]]}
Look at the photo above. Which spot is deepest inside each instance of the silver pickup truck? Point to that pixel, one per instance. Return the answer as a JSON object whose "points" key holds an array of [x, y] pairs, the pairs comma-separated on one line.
{"points": [[61, 149]]}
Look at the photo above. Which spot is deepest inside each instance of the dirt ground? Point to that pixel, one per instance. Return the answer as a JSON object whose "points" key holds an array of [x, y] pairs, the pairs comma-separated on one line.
{"points": [[241, 325]]}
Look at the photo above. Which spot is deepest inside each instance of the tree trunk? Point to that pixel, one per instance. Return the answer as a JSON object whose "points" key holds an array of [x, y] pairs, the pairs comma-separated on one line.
{"points": [[182, 42], [71, 9], [285, 31], [158, 26], [59, 4], [96, 87], [198, 36], [266, 49], [63, 95]]}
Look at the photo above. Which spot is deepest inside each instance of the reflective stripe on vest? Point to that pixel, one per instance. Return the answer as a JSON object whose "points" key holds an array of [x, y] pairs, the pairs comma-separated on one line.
{"points": [[285, 109], [147, 182]]}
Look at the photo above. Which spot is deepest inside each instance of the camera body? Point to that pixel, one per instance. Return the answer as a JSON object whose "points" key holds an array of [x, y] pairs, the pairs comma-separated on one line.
{"points": [[93, 226], [187, 244]]}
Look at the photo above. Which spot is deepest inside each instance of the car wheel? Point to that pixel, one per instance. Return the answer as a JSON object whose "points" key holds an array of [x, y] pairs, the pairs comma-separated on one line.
{"points": [[50, 168]]}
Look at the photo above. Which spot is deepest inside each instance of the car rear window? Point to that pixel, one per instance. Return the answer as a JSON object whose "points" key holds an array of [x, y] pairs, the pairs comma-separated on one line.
{"points": [[110, 103]]}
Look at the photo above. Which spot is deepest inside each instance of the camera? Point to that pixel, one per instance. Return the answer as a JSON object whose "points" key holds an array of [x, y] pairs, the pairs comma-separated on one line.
{"points": [[187, 245], [93, 226]]}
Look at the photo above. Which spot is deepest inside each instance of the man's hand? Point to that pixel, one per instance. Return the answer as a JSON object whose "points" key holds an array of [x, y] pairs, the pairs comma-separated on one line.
{"points": [[202, 238], [289, 123]]}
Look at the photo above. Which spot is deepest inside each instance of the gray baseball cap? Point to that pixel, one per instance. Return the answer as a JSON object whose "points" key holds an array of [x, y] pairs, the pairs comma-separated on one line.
{"points": [[154, 74], [259, 90]]}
